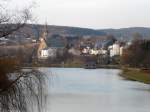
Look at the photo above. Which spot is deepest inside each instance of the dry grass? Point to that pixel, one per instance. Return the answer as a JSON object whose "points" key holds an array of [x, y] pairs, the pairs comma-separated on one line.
{"points": [[136, 74]]}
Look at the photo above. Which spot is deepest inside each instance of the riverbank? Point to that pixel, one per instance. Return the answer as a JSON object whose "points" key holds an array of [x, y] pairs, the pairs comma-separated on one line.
{"points": [[75, 64], [79, 65], [136, 75]]}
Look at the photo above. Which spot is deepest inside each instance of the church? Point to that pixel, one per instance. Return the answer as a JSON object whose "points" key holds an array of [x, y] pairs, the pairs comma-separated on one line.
{"points": [[50, 46], [42, 52]]}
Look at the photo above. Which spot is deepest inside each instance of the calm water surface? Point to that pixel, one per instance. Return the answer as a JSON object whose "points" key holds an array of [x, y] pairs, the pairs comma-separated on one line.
{"points": [[98, 90]]}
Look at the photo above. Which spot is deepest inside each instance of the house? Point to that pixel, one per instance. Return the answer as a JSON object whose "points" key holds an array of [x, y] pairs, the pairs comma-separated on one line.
{"points": [[85, 50], [44, 53], [116, 49], [52, 52], [94, 52], [48, 52]]}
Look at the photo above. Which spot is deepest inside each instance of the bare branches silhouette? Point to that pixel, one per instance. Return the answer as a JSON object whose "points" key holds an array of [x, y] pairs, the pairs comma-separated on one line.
{"points": [[24, 93]]}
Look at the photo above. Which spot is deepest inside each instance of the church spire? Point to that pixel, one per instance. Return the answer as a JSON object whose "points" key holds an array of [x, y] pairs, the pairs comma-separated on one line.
{"points": [[45, 31]]}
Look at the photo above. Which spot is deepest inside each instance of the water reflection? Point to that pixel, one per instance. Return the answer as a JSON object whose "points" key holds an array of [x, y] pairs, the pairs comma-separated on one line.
{"points": [[99, 90]]}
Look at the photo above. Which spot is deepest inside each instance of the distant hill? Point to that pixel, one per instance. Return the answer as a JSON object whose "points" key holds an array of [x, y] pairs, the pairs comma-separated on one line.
{"points": [[73, 31], [123, 33], [127, 33]]}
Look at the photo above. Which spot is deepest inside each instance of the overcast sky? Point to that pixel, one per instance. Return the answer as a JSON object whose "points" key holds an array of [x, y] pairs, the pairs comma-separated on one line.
{"points": [[95, 14]]}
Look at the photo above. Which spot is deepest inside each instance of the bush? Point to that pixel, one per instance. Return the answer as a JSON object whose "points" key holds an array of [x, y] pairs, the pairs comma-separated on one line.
{"points": [[137, 54]]}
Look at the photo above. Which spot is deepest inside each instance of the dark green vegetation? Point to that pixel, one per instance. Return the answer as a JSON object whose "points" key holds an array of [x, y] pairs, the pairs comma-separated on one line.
{"points": [[137, 75]]}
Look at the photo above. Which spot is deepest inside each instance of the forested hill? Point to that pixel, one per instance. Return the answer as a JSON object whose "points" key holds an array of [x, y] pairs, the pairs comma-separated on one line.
{"points": [[128, 33], [65, 30], [123, 33]]}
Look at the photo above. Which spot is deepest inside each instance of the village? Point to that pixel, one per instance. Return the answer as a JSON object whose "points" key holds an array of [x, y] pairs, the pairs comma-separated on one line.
{"points": [[70, 50], [103, 50], [74, 56], [65, 50]]}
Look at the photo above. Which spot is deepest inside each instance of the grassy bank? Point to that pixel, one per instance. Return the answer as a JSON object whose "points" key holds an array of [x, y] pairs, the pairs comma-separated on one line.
{"points": [[137, 75]]}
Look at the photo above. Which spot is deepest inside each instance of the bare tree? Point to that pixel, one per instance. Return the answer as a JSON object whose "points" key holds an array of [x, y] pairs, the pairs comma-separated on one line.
{"points": [[137, 54], [20, 91], [23, 92], [11, 22]]}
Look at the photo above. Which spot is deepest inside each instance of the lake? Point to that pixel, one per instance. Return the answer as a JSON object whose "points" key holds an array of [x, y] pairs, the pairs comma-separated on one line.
{"points": [[97, 90]]}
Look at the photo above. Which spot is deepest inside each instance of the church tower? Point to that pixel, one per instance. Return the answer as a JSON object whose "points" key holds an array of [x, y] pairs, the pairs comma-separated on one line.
{"points": [[42, 43]]}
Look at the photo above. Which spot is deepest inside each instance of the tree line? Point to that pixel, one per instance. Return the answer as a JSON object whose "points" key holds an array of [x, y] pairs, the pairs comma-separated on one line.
{"points": [[137, 54]]}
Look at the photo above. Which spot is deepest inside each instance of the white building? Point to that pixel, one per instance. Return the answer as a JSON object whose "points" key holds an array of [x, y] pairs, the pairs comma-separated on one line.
{"points": [[102, 52], [93, 52], [86, 50], [121, 50], [44, 53], [115, 50], [48, 52]]}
